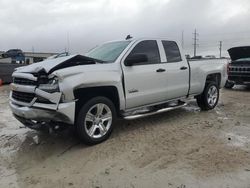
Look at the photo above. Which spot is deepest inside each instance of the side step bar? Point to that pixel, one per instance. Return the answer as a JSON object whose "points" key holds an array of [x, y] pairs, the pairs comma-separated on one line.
{"points": [[140, 115]]}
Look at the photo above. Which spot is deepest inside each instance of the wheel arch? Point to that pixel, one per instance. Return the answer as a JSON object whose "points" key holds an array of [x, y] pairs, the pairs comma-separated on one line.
{"points": [[82, 95], [214, 77]]}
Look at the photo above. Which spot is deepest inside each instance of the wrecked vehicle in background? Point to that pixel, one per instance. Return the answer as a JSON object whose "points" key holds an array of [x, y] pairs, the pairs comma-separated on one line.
{"points": [[239, 68], [122, 79]]}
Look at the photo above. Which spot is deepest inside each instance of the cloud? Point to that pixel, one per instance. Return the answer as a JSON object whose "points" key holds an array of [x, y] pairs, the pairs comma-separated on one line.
{"points": [[45, 24]]}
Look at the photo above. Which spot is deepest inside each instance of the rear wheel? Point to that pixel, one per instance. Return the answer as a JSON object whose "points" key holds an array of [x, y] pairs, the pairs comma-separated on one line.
{"points": [[95, 120], [209, 98]]}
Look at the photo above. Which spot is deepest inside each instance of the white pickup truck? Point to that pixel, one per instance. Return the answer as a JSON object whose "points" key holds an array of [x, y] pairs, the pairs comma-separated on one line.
{"points": [[120, 79]]}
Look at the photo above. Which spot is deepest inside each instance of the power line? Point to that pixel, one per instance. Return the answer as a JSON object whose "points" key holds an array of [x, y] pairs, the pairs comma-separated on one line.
{"points": [[208, 44]]}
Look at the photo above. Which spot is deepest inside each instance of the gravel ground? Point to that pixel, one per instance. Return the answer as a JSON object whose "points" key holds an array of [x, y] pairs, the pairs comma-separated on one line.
{"points": [[180, 149]]}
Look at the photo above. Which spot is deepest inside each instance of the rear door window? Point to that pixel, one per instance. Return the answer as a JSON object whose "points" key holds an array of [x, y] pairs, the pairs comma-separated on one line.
{"points": [[172, 51]]}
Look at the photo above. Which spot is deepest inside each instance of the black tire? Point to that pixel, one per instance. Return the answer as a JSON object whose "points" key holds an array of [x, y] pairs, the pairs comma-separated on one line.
{"points": [[229, 85], [81, 124], [203, 99]]}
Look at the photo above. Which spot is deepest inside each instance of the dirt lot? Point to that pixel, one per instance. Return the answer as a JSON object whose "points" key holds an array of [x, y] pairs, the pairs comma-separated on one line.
{"points": [[182, 148]]}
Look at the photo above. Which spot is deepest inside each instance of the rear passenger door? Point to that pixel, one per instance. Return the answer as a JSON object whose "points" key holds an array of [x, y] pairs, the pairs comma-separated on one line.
{"points": [[177, 70]]}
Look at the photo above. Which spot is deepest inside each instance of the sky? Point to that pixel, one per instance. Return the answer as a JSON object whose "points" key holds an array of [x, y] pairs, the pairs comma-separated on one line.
{"points": [[79, 25]]}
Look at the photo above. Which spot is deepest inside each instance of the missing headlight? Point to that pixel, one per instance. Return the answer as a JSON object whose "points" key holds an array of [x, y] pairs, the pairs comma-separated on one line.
{"points": [[51, 86]]}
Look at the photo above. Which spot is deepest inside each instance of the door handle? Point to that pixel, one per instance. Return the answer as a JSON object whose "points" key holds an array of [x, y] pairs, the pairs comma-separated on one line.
{"points": [[160, 70], [183, 68]]}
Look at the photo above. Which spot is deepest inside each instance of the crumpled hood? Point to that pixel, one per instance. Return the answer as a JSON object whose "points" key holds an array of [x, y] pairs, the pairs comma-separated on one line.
{"points": [[50, 65], [239, 52]]}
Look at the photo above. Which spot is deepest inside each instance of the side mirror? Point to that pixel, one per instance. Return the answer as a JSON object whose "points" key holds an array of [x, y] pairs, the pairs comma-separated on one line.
{"points": [[135, 59]]}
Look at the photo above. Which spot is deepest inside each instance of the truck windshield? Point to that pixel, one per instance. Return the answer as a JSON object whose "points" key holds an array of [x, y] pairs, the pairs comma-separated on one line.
{"points": [[108, 52]]}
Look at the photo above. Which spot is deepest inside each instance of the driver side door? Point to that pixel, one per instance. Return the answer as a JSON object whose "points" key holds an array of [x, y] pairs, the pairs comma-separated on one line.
{"points": [[144, 82]]}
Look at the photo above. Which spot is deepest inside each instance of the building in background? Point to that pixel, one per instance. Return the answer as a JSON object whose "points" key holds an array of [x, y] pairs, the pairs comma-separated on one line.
{"points": [[20, 57], [34, 57]]}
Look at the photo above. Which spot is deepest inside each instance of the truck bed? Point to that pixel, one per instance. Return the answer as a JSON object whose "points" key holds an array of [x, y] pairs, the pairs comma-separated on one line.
{"points": [[200, 68]]}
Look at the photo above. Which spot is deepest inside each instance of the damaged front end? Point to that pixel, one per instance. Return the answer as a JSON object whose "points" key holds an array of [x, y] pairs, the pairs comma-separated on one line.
{"points": [[36, 99]]}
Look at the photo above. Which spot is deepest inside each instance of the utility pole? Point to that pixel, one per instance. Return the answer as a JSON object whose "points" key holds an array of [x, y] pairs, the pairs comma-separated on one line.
{"points": [[220, 48], [67, 42], [182, 39], [195, 41]]}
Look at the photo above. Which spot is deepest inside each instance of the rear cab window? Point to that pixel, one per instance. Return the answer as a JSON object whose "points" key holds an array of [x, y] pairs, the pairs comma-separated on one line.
{"points": [[172, 51]]}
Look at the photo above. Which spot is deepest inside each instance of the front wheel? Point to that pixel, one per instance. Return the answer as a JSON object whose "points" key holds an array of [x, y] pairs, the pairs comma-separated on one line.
{"points": [[95, 120], [209, 98]]}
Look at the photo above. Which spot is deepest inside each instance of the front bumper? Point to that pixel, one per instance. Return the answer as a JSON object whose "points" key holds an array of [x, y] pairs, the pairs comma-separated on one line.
{"points": [[31, 104], [54, 111], [65, 112], [239, 79], [239, 74]]}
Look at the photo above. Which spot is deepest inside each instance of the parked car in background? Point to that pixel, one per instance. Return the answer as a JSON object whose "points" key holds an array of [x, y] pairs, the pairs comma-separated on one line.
{"points": [[239, 68], [16, 55], [199, 57], [210, 57], [10, 60], [127, 79]]}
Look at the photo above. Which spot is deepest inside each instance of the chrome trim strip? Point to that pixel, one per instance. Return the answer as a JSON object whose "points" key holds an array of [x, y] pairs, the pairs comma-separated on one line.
{"points": [[22, 88], [24, 75]]}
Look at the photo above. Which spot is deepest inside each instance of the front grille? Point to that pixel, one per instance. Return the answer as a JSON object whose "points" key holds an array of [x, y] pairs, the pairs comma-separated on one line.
{"points": [[241, 73], [23, 81], [22, 96], [239, 69], [28, 97]]}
